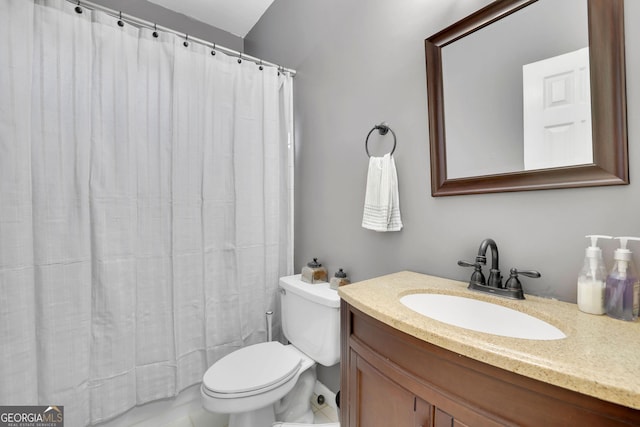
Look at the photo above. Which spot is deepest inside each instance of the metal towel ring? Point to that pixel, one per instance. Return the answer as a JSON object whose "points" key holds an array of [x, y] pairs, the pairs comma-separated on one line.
{"points": [[383, 129]]}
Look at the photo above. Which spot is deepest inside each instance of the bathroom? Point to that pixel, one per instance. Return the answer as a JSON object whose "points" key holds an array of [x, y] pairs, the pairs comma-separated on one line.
{"points": [[359, 63]]}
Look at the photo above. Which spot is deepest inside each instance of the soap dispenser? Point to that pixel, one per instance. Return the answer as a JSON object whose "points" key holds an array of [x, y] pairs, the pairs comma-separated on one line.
{"points": [[592, 277], [314, 272], [623, 287]]}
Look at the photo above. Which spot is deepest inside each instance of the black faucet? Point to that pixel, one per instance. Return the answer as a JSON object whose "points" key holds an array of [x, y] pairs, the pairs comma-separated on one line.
{"points": [[513, 287], [495, 279]]}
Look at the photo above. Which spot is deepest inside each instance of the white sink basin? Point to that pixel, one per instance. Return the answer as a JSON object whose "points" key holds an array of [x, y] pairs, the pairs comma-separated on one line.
{"points": [[481, 316]]}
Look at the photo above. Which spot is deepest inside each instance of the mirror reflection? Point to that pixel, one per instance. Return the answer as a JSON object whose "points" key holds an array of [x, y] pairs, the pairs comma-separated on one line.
{"points": [[517, 93]]}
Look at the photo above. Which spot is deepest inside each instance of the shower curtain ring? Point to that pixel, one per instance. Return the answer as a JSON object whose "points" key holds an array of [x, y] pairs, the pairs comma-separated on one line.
{"points": [[213, 52], [155, 30], [120, 23], [78, 9], [261, 67], [186, 40], [240, 58]]}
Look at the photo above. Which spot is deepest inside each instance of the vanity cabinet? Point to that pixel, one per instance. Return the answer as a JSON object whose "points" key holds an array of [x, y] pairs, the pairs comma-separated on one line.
{"points": [[392, 379]]}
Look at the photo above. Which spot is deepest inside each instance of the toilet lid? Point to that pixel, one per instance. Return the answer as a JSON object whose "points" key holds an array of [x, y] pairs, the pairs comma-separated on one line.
{"points": [[252, 368]]}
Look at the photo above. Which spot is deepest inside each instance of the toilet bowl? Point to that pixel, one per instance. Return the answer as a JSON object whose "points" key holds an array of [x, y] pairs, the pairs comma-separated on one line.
{"points": [[252, 384], [247, 382]]}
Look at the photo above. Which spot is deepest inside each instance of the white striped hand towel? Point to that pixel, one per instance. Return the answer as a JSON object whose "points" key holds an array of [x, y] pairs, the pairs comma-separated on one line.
{"points": [[381, 201]]}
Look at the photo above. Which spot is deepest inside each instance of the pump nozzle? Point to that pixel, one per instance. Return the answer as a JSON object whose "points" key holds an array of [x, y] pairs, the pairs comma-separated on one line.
{"points": [[593, 252], [595, 237], [622, 255], [623, 241]]}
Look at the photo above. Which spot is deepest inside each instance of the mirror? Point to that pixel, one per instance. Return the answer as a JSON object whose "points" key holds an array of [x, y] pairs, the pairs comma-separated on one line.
{"points": [[498, 134]]}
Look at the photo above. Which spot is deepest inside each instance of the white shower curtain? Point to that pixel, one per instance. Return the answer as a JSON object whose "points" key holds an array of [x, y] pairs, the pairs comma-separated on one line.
{"points": [[145, 208]]}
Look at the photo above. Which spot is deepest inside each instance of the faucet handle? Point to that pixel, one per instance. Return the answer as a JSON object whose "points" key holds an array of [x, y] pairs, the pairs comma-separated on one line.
{"points": [[477, 277], [467, 264], [514, 283], [529, 273]]}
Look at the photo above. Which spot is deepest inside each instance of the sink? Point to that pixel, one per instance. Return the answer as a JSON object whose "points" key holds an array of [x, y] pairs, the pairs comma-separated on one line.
{"points": [[481, 316]]}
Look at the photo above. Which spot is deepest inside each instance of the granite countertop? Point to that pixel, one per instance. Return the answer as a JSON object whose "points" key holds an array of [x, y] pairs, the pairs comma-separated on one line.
{"points": [[600, 356]]}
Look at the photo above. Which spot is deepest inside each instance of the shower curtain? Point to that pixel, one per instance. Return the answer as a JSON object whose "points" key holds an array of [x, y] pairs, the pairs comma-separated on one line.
{"points": [[145, 208]]}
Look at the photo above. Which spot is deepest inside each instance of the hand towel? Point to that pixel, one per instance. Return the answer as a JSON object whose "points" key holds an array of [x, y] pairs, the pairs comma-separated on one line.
{"points": [[381, 200]]}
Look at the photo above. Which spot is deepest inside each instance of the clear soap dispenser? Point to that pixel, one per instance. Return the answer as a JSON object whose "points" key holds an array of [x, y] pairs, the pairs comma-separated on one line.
{"points": [[592, 277], [623, 288]]}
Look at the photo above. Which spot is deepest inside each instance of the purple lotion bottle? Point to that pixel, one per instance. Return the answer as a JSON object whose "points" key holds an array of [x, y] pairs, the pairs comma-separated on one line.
{"points": [[622, 292]]}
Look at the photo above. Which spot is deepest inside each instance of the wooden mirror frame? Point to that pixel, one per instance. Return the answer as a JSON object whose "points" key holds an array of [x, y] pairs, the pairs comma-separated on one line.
{"points": [[608, 107]]}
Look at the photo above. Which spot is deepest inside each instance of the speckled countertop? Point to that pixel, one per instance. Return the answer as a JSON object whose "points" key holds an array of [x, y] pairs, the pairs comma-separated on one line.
{"points": [[600, 356]]}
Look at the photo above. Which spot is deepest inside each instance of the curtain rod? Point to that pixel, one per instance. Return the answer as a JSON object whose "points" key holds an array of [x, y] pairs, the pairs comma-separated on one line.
{"points": [[141, 23]]}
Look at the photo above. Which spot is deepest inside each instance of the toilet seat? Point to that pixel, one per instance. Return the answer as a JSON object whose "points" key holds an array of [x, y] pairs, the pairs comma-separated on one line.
{"points": [[251, 370]]}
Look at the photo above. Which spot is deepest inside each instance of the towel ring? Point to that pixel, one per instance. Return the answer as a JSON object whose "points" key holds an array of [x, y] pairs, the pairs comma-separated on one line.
{"points": [[383, 129]]}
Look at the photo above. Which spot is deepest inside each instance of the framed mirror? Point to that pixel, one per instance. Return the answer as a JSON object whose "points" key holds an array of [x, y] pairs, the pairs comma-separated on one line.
{"points": [[528, 95]]}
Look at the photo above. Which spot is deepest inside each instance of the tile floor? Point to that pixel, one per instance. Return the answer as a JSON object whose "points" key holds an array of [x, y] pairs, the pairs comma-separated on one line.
{"points": [[201, 418], [188, 412]]}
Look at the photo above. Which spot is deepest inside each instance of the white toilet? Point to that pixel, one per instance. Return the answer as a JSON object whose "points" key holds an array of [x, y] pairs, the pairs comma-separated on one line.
{"points": [[252, 384]]}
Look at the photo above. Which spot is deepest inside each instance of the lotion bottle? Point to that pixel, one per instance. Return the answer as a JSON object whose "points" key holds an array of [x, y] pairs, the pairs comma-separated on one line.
{"points": [[591, 280], [623, 288]]}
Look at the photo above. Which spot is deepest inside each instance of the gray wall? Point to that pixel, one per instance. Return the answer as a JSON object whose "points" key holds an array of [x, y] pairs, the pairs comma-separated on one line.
{"points": [[152, 12], [360, 62]]}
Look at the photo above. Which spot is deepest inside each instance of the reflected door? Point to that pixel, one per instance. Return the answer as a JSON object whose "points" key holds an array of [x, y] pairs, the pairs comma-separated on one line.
{"points": [[557, 111]]}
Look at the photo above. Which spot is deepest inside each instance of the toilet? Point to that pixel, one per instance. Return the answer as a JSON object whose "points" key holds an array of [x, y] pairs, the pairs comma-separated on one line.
{"points": [[263, 383]]}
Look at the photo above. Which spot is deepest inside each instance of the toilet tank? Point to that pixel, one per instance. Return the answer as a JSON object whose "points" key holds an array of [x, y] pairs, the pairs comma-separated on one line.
{"points": [[311, 318]]}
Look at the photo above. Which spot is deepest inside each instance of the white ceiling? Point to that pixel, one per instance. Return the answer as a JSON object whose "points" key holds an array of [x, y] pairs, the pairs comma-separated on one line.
{"points": [[234, 16]]}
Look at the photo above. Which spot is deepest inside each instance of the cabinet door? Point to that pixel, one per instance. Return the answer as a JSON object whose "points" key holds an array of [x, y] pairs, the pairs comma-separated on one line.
{"points": [[376, 400], [423, 413], [442, 419]]}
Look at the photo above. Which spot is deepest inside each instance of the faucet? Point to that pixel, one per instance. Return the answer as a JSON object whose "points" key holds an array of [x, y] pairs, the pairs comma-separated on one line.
{"points": [[495, 279], [511, 289]]}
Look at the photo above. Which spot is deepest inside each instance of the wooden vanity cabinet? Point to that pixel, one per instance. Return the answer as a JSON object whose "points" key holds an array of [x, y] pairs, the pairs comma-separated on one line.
{"points": [[392, 379]]}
